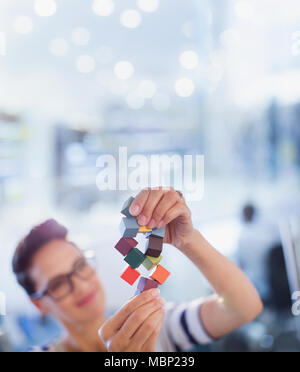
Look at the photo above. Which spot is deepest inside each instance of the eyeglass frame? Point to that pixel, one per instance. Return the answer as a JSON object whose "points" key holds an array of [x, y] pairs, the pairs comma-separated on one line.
{"points": [[89, 261]]}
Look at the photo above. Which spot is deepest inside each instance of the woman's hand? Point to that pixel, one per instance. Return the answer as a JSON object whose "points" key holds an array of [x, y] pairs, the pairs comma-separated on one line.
{"points": [[160, 207], [136, 326]]}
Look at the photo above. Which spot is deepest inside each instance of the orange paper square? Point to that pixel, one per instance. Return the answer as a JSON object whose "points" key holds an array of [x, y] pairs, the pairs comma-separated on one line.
{"points": [[144, 229], [130, 275], [160, 274]]}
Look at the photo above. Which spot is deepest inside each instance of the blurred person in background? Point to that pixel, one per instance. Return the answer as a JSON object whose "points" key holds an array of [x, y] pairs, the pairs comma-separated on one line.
{"points": [[256, 240], [60, 282], [280, 297]]}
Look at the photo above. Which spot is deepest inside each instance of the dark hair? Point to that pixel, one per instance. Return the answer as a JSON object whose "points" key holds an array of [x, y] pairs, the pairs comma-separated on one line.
{"points": [[29, 246], [249, 213]]}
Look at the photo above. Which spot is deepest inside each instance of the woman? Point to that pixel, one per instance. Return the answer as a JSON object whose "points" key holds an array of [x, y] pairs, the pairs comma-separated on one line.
{"points": [[60, 282]]}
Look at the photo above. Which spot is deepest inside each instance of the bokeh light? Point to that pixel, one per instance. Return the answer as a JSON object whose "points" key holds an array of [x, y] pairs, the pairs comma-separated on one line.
{"points": [[23, 25], [131, 18], [103, 8], [189, 60], [45, 8], [184, 88], [59, 47], [86, 64], [148, 6], [147, 88], [80, 36], [124, 70], [267, 342]]}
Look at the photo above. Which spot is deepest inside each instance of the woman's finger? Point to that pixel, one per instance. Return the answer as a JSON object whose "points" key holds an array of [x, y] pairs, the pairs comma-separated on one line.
{"points": [[149, 327], [154, 198], [167, 202], [140, 200], [179, 209], [113, 324], [139, 317], [150, 344]]}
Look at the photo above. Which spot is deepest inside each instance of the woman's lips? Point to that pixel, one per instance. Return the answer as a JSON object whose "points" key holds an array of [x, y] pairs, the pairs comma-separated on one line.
{"points": [[87, 300]]}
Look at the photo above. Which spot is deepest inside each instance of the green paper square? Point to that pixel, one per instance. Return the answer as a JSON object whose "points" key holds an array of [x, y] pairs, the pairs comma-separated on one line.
{"points": [[135, 258]]}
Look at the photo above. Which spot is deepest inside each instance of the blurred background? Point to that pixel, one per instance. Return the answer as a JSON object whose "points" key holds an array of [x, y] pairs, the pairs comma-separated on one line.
{"points": [[216, 78]]}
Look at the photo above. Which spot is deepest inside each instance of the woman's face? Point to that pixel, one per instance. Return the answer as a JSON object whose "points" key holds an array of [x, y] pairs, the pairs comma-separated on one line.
{"points": [[83, 304]]}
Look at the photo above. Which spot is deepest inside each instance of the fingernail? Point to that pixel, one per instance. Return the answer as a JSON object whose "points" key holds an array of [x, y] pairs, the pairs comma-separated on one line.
{"points": [[142, 220], [155, 292], [152, 223], [160, 225], [134, 209]]}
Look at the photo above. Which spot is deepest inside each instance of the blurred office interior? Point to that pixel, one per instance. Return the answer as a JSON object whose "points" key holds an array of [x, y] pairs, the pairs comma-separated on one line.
{"points": [[218, 78]]}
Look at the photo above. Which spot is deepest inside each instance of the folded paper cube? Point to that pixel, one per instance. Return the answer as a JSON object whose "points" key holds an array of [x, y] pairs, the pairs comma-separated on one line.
{"points": [[130, 275], [154, 246], [159, 233], [151, 262], [125, 245], [160, 274], [129, 227], [126, 207], [145, 284], [144, 229], [135, 258]]}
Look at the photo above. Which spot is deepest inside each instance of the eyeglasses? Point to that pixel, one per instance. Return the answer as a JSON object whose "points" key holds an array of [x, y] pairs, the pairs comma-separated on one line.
{"points": [[62, 286]]}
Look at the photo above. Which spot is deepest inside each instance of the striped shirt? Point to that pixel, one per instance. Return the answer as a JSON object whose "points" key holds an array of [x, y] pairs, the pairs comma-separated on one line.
{"points": [[182, 329]]}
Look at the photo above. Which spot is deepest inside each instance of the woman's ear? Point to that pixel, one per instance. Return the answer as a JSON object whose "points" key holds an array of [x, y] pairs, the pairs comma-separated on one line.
{"points": [[38, 304]]}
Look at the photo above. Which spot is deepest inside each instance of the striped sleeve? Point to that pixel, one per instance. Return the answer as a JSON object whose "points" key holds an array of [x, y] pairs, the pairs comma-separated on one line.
{"points": [[182, 328]]}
